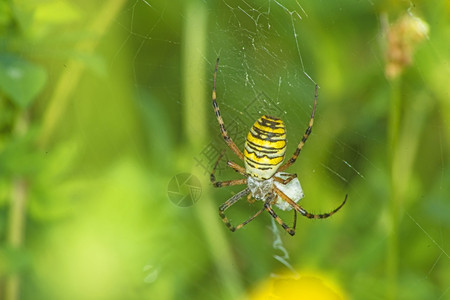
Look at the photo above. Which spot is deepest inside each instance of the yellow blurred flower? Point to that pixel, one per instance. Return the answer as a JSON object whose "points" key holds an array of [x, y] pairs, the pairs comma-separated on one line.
{"points": [[305, 285]]}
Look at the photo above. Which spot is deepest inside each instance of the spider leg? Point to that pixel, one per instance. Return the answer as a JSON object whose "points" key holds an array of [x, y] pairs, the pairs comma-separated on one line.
{"points": [[229, 182], [224, 132], [305, 137], [249, 219], [302, 211], [235, 166], [226, 205], [285, 181], [212, 177], [250, 199], [295, 220], [229, 203], [269, 209]]}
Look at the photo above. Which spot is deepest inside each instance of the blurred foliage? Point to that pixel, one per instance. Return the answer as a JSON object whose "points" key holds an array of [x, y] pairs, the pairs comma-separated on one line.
{"points": [[96, 117]]}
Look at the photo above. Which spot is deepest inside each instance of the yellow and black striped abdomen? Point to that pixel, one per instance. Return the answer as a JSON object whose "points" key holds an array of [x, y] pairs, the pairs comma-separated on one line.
{"points": [[265, 147]]}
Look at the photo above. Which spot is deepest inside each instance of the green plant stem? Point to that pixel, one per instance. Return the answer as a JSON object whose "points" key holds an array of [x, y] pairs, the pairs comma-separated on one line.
{"points": [[16, 228], [404, 139], [195, 126], [17, 213], [71, 75], [395, 196]]}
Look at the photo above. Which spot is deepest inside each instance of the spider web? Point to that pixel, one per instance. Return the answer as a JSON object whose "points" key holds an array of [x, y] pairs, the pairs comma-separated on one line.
{"points": [[268, 66]]}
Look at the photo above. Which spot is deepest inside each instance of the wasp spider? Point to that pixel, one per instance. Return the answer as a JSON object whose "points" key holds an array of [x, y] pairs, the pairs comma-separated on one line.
{"points": [[263, 157]]}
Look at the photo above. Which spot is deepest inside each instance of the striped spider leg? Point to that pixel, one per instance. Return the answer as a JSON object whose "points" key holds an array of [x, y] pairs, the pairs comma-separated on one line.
{"points": [[224, 132], [305, 136], [236, 197]]}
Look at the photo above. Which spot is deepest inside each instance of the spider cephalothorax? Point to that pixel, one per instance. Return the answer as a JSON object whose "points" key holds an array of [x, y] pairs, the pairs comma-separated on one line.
{"points": [[264, 152]]}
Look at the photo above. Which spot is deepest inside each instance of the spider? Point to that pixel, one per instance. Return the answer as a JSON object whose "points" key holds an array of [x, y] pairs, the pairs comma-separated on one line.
{"points": [[263, 158]]}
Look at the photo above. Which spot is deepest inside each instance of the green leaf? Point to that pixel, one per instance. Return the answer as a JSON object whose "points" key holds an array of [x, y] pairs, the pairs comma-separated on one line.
{"points": [[21, 80]]}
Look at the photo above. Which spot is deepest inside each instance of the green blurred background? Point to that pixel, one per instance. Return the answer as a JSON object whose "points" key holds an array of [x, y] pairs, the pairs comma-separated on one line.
{"points": [[102, 103]]}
